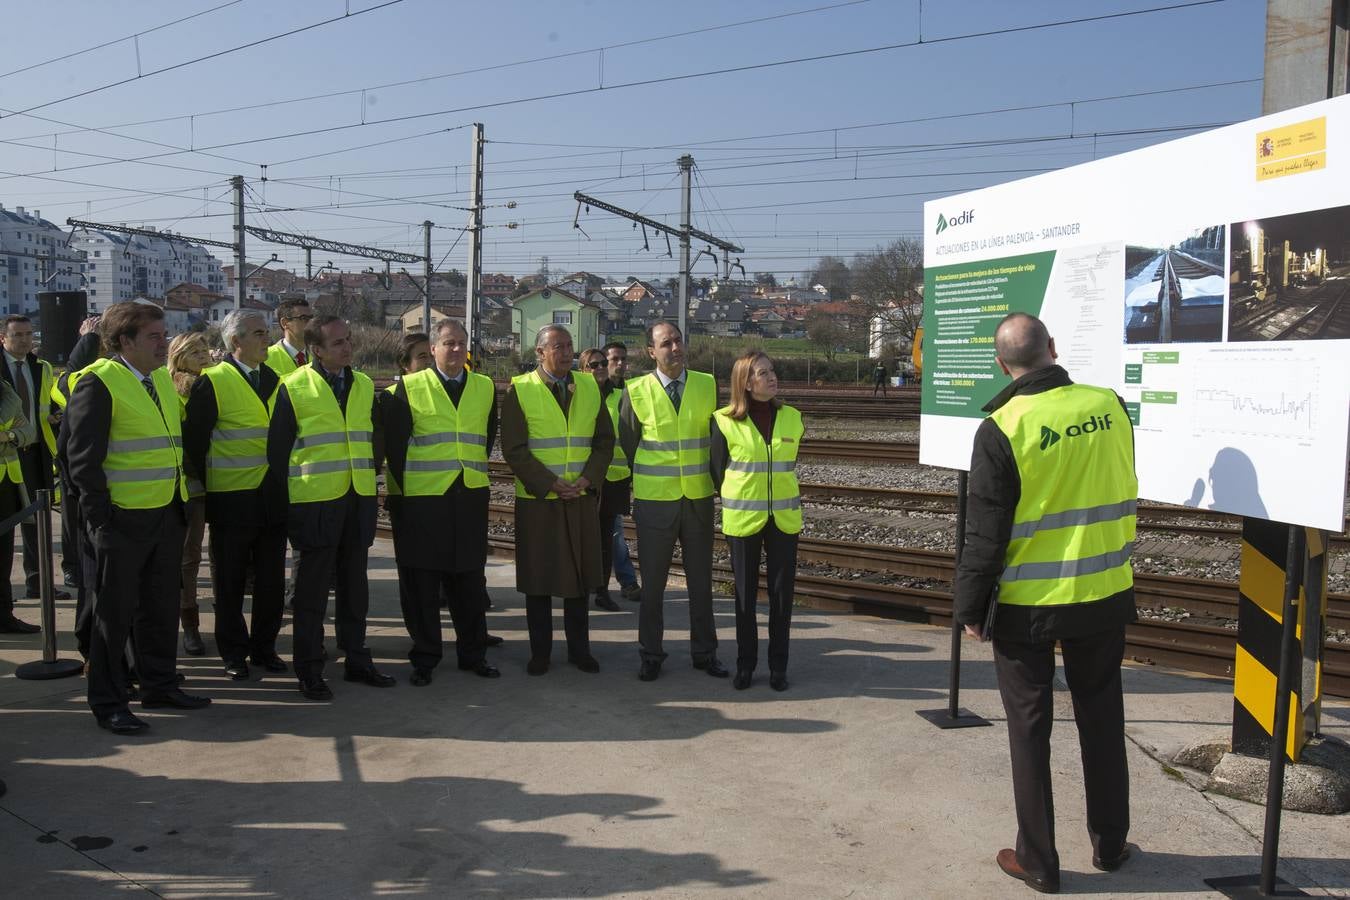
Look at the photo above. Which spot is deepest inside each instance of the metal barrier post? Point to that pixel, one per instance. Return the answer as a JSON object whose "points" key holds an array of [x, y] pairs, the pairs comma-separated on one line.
{"points": [[953, 716], [49, 666]]}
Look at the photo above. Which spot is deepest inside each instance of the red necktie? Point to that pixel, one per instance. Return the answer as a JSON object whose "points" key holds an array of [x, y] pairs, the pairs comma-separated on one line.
{"points": [[300, 359]]}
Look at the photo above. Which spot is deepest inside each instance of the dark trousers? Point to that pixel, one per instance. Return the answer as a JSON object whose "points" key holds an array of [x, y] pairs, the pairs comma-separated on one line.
{"points": [[138, 597], [780, 559], [576, 626], [29, 463], [660, 523], [1025, 679], [71, 568], [420, 596], [78, 551], [236, 550], [342, 565], [607, 523], [6, 572]]}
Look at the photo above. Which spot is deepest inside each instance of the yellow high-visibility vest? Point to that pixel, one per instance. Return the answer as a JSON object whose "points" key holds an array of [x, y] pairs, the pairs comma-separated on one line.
{"points": [[280, 361], [144, 465], [761, 479], [332, 452], [618, 466], [446, 440], [1074, 525], [672, 458], [561, 444], [236, 459]]}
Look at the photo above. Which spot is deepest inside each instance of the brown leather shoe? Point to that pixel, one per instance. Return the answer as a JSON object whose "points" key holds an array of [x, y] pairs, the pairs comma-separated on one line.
{"points": [[1111, 863], [1007, 861]]}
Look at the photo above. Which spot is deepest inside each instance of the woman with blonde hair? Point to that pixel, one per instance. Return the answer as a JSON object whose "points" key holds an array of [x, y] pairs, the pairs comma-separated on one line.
{"points": [[755, 439], [188, 355]]}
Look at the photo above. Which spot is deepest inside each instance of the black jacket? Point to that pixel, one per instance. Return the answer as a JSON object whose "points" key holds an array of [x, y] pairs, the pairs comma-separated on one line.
{"points": [[36, 459], [446, 533], [263, 506], [994, 490]]}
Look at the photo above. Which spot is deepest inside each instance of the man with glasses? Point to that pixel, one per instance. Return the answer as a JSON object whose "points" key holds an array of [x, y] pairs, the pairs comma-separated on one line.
{"points": [[288, 354]]}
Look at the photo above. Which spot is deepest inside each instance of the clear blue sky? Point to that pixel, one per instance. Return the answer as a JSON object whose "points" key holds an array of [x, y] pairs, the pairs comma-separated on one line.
{"points": [[788, 198]]}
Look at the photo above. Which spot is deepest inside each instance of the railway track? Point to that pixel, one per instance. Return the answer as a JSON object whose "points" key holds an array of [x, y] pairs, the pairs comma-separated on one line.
{"points": [[1194, 647]]}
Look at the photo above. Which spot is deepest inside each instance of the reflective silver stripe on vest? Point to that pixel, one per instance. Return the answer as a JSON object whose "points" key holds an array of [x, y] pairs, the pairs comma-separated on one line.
{"points": [[780, 465], [235, 462], [366, 436], [548, 443], [702, 443], [363, 463], [440, 437], [1069, 568], [136, 445], [1090, 515], [658, 471], [323, 437], [324, 465], [238, 434], [736, 465], [660, 446], [432, 465], [117, 476], [745, 505], [789, 503], [478, 465]]}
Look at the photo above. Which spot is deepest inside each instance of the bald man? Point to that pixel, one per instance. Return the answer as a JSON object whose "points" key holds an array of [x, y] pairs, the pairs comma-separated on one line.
{"points": [[1050, 525]]}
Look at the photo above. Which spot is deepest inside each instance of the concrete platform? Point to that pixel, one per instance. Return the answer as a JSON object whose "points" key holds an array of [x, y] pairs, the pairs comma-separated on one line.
{"points": [[600, 785]]}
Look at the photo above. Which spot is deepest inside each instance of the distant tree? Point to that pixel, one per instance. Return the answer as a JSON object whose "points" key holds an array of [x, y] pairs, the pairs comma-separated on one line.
{"points": [[834, 274], [766, 279], [888, 286], [454, 278], [672, 284], [521, 289], [827, 332]]}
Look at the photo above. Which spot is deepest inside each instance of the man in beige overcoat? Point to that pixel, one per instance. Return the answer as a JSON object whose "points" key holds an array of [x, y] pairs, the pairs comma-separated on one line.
{"points": [[558, 439]]}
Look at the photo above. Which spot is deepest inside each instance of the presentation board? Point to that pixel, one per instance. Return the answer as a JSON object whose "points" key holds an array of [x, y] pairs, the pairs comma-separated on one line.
{"points": [[1206, 280]]}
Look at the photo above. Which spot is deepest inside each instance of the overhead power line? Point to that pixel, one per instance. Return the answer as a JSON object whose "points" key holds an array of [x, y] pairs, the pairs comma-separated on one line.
{"points": [[219, 53]]}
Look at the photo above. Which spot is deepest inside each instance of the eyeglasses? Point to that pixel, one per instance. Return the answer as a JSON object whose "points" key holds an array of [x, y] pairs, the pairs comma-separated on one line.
{"points": [[298, 318], [596, 365]]}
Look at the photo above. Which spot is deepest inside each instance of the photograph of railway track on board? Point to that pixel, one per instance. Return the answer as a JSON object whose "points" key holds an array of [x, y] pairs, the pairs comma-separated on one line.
{"points": [[1290, 277], [1174, 288], [1220, 317]]}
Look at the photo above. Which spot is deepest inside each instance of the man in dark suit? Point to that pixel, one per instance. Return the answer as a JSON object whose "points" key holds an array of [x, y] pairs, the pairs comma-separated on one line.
{"points": [[32, 380], [225, 445], [325, 435], [13, 497], [125, 459], [437, 453]]}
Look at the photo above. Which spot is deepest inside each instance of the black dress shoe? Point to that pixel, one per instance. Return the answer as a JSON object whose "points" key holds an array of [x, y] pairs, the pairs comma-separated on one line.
{"points": [[237, 669], [269, 661], [481, 669], [1007, 861], [742, 679], [11, 625], [713, 666], [606, 602], [193, 645], [175, 699], [778, 681], [650, 670], [313, 687], [536, 666], [57, 594], [493, 640], [586, 664], [122, 722], [1110, 864], [371, 676], [632, 592], [420, 677]]}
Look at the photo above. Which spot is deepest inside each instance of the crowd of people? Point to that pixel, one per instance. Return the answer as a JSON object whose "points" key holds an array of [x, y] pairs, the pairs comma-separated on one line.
{"points": [[281, 443], [161, 447]]}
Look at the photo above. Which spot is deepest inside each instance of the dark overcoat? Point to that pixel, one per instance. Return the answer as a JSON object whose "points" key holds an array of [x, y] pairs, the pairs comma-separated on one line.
{"points": [[557, 541]]}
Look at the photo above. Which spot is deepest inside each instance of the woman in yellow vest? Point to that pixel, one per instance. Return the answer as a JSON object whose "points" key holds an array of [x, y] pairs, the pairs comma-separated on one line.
{"points": [[188, 355], [755, 439]]}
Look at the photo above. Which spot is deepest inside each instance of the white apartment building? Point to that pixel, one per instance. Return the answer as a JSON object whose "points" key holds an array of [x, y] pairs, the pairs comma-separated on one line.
{"points": [[33, 250], [122, 267]]}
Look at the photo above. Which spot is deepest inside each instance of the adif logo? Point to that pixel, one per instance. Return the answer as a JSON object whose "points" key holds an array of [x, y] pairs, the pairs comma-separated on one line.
{"points": [[1050, 437], [964, 219]]}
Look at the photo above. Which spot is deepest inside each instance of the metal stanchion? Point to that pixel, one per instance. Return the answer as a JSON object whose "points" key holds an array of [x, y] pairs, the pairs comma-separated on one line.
{"points": [[1266, 884], [952, 716], [49, 666]]}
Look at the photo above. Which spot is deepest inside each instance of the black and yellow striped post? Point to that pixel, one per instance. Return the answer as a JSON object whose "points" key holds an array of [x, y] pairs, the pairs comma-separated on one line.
{"points": [[1261, 586]]}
